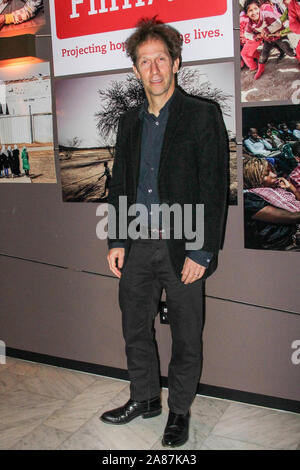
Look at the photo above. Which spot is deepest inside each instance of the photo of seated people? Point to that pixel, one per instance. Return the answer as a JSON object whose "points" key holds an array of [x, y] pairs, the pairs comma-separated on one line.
{"points": [[271, 170], [270, 49], [21, 17]]}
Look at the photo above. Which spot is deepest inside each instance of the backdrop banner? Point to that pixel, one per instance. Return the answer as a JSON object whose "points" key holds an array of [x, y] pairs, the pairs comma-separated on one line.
{"points": [[90, 35]]}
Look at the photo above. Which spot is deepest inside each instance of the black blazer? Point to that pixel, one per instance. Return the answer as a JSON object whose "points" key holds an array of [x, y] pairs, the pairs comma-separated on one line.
{"points": [[193, 169]]}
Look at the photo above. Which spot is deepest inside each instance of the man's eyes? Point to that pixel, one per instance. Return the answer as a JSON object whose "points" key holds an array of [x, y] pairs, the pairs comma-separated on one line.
{"points": [[146, 61]]}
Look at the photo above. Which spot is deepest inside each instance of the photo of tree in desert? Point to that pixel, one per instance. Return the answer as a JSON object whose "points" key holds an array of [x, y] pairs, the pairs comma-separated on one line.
{"points": [[88, 111]]}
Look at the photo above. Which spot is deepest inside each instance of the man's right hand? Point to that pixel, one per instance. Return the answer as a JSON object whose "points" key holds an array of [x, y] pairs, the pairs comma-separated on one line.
{"points": [[116, 255]]}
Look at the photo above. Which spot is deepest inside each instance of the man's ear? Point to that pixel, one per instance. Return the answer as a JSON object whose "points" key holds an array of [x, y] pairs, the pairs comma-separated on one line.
{"points": [[136, 72], [176, 65]]}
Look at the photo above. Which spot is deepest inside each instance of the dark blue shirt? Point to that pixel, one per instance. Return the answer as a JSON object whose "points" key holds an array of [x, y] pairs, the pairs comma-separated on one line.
{"points": [[152, 141]]}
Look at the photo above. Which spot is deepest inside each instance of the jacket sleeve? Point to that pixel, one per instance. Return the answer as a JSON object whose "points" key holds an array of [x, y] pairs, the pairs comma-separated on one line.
{"points": [[116, 189], [213, 174]]}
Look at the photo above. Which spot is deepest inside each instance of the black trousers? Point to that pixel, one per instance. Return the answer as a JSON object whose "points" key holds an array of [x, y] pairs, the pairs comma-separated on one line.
{"points": [[283, 44], [147, 271]]}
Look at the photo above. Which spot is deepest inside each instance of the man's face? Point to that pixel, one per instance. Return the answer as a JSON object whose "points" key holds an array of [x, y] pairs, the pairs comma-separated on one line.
{"points": [[155, 68], [254, 133], [253, 12]]}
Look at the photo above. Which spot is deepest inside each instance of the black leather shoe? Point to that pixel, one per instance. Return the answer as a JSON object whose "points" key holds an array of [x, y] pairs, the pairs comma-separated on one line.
{"points": [[177, 430], [132, 409]]}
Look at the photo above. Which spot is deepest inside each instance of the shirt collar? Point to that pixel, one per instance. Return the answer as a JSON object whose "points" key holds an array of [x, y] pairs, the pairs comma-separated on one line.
{"points": [[144, 110]]}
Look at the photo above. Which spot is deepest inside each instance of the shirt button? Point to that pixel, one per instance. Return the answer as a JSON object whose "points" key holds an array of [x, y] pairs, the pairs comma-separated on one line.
{"points": [[149, 190], [152, 169]]}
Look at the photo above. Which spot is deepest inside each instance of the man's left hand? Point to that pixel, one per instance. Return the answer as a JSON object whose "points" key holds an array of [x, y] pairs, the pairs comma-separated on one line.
{"points": [[191, 271]]}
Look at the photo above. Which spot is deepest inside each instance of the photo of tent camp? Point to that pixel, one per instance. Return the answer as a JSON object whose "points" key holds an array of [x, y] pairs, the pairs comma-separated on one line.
{"points": [[21, 17], [88, 110], [26, 130]]}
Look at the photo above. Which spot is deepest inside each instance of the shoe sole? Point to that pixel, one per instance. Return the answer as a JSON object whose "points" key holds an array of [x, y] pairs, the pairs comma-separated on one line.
{"points": [[147, 415], [181, 443]]}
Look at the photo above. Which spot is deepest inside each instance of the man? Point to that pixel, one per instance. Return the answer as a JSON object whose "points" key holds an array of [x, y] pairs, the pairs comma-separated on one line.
{"points": [[107, 177], [256, 145], [285, 133], [172, 150], [296, 131], [283, 159], [273, 139]]}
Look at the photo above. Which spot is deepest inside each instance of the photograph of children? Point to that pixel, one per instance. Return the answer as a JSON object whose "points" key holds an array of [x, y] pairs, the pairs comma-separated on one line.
{"points": [[270, 49], [271, 168], [21, 17], [88, 110], [26, 130]]}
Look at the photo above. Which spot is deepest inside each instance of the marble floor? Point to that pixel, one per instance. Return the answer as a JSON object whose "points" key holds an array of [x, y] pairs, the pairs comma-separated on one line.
{"points": [[47, 407]]}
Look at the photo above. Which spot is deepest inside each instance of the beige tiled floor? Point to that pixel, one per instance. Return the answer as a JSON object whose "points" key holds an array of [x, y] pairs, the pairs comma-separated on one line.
{"points": [[46, 407]]}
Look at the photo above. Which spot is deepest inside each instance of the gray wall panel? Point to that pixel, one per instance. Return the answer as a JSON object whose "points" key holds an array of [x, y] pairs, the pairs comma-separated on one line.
{"points": [[268, 278], [38, 226], [246, 348], [60, 312], [75, 315]]}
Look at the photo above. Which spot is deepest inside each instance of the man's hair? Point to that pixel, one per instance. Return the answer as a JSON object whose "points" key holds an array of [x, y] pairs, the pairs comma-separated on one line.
{"points": [[250, 131], [248, 3], [254, 171], [151, 28]]}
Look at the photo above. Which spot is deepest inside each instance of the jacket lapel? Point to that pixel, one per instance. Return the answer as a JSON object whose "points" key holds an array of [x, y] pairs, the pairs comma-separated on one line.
{"points": [[135, 145], [173, 120]]}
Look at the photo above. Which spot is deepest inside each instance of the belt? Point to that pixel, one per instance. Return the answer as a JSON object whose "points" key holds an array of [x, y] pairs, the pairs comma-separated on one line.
{"points": [[154, 233]]}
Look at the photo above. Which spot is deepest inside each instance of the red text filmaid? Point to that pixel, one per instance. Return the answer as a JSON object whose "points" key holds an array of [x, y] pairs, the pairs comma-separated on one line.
{"points": [[82, 17]]}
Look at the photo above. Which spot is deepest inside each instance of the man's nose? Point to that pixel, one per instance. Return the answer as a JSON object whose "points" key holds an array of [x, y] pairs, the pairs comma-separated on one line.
{"points": [[154, 67]]}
